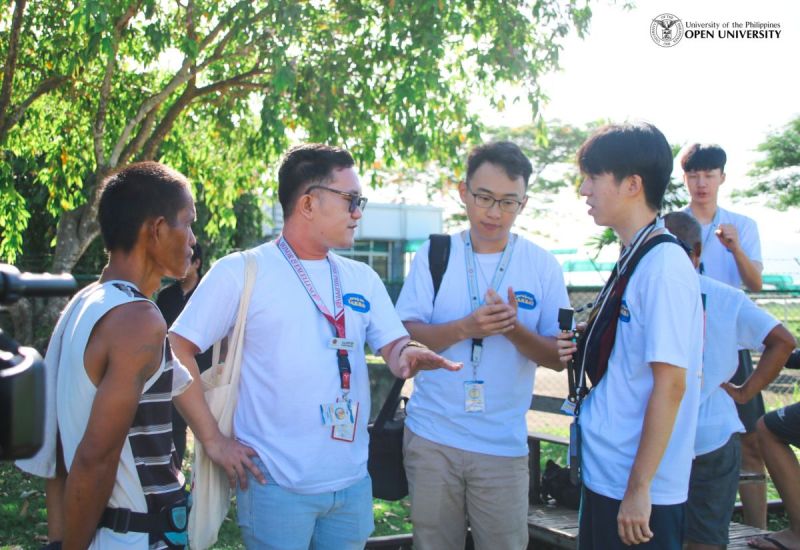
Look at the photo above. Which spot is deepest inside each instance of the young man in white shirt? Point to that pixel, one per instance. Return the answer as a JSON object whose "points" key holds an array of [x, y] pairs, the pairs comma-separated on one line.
{"points": [[732, 321], [465, 445], [638, 421], [731, 254], [304, 398]]}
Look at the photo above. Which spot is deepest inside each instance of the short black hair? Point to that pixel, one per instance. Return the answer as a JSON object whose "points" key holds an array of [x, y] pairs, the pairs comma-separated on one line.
{"points": [[685, 228], [699, 156], [135, 194], [630, 149], [306, 165], [504, 154]]}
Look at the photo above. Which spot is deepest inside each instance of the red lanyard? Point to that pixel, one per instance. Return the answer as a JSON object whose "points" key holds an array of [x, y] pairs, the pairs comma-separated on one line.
{"points": [[336, 320]]}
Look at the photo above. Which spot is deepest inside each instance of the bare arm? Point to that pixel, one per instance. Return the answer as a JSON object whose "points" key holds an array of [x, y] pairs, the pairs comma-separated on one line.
{"points": [[124, 350], [489, 319], [669, 385], [225, 451], [749, 270], [406, 361], [778, 345]]}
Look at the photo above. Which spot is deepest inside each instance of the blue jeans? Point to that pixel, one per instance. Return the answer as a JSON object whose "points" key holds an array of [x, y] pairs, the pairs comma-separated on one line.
{"points": [[273, 518]]}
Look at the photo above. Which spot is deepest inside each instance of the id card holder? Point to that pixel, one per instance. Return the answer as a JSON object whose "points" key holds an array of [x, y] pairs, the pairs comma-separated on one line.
{"points": [[574, 457], [474, 398], [346, 431]]}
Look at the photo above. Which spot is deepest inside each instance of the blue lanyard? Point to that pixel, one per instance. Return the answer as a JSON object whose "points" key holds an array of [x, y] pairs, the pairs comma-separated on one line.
{"points": [[712, 228], [472, 283]]}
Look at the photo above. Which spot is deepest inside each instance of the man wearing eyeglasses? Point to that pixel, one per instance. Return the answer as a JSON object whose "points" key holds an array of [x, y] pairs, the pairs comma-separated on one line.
{"points": [[496, 310], [304, 392]]}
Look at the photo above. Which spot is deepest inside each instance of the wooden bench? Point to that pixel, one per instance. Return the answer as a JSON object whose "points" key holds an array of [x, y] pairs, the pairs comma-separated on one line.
{"points": [[558, 526]]}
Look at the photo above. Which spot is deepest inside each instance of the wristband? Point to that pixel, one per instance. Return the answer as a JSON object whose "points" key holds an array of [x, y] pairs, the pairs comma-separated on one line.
{"points": [[411, 344]]}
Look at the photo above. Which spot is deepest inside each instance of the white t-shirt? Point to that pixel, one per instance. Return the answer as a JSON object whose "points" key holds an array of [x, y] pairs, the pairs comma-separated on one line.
{"points": [[288, 370], [436, 409], [718, 261], [662, 321], [733, 322]]}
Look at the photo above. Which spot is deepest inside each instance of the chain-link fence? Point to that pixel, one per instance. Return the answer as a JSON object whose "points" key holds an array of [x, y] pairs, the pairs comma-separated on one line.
{"points": [[783, 391]]}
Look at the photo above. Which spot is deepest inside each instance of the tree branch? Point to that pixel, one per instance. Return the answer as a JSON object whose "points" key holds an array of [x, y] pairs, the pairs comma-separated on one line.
{"points": [[45, 86], [165, 126], [10, 68], [188, 70], [98, 131]]}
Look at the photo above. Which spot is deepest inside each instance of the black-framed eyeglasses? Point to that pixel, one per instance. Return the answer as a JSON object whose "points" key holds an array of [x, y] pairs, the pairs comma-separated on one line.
{"points": [[488, 201], [356, 201]]}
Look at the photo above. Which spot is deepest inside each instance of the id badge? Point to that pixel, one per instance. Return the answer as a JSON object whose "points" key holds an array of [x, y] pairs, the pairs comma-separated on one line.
{"points": [[339, 413], [568, 407], [342, 344], [474, 401], [574, 456], [347, 431]]}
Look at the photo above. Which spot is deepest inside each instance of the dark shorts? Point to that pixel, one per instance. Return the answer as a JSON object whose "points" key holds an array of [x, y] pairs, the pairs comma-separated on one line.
{"points": [[750, 412], [785, 424], [598, 525], [712, 493]]}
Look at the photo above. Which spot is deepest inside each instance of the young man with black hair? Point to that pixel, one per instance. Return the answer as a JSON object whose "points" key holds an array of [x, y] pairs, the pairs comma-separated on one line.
{"points": [[732, 321], [465, 444], [731, 254], [170, 301], [304, 391], [636, 451], [115, 378]]}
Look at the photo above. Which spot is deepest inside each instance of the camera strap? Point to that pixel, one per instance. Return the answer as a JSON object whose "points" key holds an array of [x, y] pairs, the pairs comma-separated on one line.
{"points": [[597, 341]]}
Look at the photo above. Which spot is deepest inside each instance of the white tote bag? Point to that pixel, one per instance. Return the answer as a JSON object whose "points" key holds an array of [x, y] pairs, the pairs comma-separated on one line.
{"points": [[211, 493]]}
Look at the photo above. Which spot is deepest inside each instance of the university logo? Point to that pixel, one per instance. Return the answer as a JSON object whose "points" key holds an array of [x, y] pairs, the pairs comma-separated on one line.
{"points": [[525, 300], [356, 302], [624, 312], [666, 30]]}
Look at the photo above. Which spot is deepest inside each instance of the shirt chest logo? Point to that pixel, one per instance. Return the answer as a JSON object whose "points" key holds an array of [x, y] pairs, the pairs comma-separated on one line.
{"points": [[356, 302], [624, 312], [525, 300]]}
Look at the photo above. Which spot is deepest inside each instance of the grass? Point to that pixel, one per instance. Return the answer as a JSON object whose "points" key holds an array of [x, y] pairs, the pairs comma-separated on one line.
{"points": [[23, 519]]}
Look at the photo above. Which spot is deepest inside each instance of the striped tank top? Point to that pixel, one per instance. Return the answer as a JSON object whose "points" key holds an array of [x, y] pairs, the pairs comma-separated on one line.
{"points": [[147, 476]]}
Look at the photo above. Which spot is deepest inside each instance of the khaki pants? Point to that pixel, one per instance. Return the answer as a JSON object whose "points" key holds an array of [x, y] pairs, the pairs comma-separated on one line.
{"points": [[449, 486]]}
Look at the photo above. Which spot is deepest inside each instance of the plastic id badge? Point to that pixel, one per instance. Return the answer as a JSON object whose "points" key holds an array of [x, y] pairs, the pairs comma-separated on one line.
{"points": [[474, 399], [339, 413], [347, 431]]}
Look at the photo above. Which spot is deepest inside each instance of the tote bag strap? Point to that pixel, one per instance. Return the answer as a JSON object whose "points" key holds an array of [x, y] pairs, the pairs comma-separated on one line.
{"points": [[236, 340]]}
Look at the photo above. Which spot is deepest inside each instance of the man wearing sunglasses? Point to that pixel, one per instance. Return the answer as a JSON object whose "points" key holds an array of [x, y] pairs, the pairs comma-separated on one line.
{"points": [[496, 310], [304, 391]]}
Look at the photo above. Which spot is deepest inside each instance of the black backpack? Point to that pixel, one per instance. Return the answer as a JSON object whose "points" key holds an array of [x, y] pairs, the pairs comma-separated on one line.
{"points": [[385, 464]]}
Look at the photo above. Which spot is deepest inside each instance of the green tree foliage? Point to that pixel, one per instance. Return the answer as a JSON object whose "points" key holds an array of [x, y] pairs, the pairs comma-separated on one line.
{"points": [[92, 85], [777, 175]]}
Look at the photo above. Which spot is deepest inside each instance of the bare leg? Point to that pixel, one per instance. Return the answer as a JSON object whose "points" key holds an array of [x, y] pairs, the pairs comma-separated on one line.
{"points": [[784, 471], [754, 495]]}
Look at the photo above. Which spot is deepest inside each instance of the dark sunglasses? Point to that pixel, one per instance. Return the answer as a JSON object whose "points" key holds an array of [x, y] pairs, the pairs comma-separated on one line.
{"points": [[356, 201]]}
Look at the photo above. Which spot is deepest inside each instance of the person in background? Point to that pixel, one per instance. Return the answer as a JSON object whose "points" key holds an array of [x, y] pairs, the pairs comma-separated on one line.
{"points": [[732, 321], [171, 301], [731, 253]]}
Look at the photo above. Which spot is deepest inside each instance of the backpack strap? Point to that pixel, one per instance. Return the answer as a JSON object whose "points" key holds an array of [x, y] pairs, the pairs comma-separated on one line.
{"points": [[438, 257]]}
